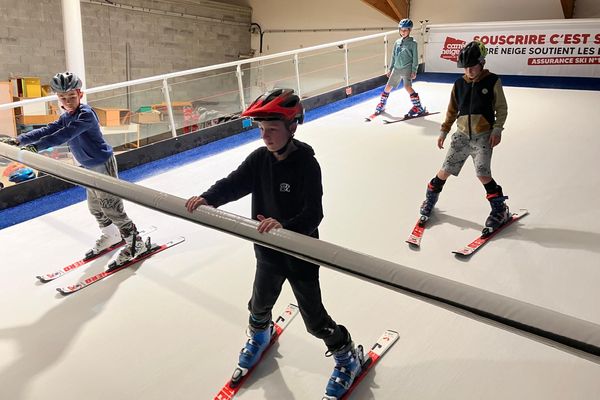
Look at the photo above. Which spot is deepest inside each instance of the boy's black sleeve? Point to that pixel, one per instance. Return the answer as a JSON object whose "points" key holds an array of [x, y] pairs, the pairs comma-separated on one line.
{"points": [[236, 185], [308, 219]]}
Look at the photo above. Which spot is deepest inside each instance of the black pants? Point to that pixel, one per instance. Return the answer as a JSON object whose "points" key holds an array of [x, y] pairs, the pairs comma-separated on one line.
{"points": [[266, 290]]}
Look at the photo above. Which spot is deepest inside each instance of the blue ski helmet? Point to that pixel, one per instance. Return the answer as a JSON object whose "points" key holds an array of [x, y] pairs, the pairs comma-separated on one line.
{"points": [[405, 24], [22, 174]]}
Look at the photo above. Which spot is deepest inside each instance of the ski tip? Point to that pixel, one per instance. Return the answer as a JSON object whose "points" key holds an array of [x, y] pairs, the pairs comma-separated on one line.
{"points": [[62, 292], [173, 242], [42, 279], [390, 336]]}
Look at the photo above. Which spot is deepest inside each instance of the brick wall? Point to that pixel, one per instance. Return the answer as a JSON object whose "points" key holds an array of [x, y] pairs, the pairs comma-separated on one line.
{"points": [[32, 44]]}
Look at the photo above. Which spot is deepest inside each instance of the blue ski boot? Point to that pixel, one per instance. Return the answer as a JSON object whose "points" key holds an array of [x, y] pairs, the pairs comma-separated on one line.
{"points": [[348, 365], [431, 198], [498, 216], [417, 109], [258, 341]]}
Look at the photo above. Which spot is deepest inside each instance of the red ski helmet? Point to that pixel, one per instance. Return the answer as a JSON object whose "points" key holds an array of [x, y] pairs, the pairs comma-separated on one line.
{"points": [[278, 104]]}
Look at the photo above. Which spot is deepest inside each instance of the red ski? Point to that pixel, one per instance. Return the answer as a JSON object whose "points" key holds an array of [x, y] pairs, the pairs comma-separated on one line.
{"points": [[372, 117], [377, 114], [417, 234], [230, 389], [154, 248], [53, 275], [383, 344], [476, 244], [407, 117]]}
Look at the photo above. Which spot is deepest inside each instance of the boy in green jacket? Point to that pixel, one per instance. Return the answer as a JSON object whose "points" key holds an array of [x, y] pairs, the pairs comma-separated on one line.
{"points": [[403, 67]]}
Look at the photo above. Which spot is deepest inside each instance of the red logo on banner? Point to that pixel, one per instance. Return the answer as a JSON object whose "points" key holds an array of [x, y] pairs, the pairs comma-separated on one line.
{"points": [[451, 49]]}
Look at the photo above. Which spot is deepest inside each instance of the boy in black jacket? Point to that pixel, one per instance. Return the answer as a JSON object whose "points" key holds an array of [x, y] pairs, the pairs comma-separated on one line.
{"points": [[478, 105], [284, 179]]}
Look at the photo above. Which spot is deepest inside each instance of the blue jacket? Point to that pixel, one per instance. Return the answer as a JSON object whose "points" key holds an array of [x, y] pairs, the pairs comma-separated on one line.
{"points": [[81, 131]]}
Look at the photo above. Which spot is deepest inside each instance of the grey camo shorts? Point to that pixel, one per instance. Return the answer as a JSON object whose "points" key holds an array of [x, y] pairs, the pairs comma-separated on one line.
{"points": [[461, 147]]}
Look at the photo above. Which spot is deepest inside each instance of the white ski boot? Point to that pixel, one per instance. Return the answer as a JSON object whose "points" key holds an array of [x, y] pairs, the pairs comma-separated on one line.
{"points": [[134, 247], [110, 236]]}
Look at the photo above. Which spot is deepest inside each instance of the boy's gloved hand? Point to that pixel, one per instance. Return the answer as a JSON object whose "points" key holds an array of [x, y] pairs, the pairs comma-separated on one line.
{"points": [[30, 147], [9, 140]]}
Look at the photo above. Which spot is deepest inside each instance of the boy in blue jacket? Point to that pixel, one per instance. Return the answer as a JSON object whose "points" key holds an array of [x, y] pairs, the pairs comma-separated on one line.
{"points": [[78, 126], [403, 68]]}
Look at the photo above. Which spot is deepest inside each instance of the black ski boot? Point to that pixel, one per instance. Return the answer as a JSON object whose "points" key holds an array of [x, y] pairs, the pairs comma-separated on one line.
{"points": [[431, 198], [499, 215]]}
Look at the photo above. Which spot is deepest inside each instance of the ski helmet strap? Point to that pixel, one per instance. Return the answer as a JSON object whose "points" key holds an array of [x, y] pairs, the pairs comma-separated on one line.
{"points": [[285, 146]]}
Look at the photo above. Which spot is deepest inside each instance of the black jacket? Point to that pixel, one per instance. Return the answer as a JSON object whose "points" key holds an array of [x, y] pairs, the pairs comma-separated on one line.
{"points": [[289, 191], [478, 106]]}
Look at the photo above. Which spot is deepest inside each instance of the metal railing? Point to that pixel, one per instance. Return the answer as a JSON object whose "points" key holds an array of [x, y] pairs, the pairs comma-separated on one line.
{"points": [[233, 64], [186, 101]]}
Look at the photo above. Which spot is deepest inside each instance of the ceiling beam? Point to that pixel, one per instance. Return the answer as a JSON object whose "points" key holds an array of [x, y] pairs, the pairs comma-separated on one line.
{"points": [[384, 7], [394, 8], [568, 7], [400, 7]]}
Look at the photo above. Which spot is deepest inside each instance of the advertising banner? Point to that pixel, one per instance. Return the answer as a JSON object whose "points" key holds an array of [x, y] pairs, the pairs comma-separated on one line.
{"points": [[548, 48]]}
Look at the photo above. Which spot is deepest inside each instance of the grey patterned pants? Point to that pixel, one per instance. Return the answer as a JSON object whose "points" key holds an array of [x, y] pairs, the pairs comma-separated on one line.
{"points": [[105, 207], [461, 147]]}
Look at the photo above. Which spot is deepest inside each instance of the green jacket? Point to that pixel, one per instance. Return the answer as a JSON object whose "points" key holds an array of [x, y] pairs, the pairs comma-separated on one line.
{"points": [[405, 55]]}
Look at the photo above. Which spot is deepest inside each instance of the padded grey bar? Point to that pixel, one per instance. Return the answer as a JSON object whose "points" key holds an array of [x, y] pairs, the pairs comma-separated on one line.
{"points": [[568, 332]]}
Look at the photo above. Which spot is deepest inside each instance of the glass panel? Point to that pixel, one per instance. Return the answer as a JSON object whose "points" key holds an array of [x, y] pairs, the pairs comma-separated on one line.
{"points": [[262, 76], [206, 99], [131, 117], [322, 71], [27, 118], [366, 60], [13, 172]]}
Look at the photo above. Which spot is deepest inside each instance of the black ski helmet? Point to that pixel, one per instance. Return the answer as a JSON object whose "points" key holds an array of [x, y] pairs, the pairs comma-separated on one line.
{"points": [[65, 82], [472, 54]]}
